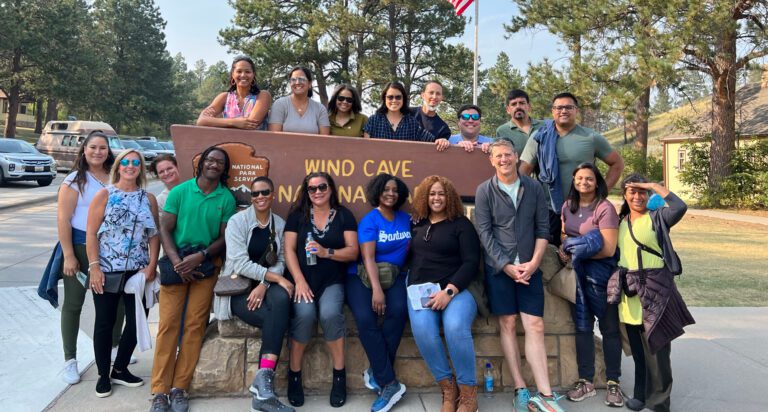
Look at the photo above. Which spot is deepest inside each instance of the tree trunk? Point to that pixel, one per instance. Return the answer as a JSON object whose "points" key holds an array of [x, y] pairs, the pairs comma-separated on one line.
{"points": [[320, 74], [51, 111], [39, 116], [642, 105], [393, 40], [723, 110], [14, 95]]}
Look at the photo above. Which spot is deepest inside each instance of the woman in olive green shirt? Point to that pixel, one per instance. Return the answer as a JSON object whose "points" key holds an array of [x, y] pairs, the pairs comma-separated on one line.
{"points": [[344, 112]]}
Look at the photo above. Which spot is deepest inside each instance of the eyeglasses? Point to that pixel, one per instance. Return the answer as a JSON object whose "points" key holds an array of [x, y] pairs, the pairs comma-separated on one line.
{"points": [[211, 161], [300, 80], [126, 162], [428, 236], [394, 97], [257, 193], [565, 108], [342, 99], [322, 187], [467, 116]]}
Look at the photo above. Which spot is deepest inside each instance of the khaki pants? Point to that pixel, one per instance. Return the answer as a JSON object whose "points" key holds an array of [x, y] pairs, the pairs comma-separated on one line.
{"points": [[169, 370]]}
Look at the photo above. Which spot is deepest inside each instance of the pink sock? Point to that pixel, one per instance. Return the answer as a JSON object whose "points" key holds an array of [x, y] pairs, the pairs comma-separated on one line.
{"points": [[267, 363]]}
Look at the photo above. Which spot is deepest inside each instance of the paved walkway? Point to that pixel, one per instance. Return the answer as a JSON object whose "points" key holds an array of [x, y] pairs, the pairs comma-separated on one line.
{"points": [[737, 217]]}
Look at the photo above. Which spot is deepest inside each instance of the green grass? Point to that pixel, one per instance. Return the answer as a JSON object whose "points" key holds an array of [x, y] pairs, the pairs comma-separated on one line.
{"points": [[28, 135], [724, 262]]}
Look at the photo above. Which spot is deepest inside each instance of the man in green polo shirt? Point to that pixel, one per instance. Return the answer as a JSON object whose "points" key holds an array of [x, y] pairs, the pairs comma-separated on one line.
{"points": [[520, 126], [196, 214]]}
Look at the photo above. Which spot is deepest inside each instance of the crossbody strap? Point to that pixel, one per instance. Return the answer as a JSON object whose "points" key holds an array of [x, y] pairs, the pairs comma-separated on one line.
{"points": [[133, 230], [641, 247]]}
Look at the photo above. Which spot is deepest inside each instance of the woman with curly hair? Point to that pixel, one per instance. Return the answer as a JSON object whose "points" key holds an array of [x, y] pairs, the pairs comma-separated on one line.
{"points": [[445, 249]]}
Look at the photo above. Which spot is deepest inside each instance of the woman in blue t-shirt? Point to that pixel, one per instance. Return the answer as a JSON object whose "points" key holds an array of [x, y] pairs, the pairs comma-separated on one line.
{"points": [[377, 289]]}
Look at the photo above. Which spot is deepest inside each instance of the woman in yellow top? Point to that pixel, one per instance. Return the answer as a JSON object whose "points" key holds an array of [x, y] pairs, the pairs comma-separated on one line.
{"points": [[650, 305], [344, 112]]}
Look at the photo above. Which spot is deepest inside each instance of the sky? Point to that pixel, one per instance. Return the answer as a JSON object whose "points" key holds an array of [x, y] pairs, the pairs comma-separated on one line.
{"points": [[192, 30]]}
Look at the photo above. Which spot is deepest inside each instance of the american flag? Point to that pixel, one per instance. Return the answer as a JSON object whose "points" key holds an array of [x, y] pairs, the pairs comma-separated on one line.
{"points": [[460, 5]]}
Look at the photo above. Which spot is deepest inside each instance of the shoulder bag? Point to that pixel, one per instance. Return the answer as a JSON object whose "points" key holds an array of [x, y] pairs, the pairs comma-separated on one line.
{"points": [[235, 284]]}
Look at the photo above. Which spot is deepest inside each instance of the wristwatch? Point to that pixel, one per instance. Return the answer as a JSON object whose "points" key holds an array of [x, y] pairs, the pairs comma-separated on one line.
{"points": [[330, 252], [450, 292], [265, 283], [205, 253]]}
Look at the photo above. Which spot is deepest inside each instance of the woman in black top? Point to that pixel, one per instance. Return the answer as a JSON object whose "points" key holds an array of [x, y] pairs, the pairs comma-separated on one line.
{"points": [[445, 249], [320, 287]]}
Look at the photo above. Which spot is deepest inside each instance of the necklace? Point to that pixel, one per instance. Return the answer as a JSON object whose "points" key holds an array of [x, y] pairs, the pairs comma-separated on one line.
{"points": [[264, 225], [321, 233], [298, 108], [101, 182]]}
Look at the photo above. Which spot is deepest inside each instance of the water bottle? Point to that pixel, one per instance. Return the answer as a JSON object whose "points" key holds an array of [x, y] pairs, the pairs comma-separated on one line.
{"points": [[488, 380], [311, 257]]}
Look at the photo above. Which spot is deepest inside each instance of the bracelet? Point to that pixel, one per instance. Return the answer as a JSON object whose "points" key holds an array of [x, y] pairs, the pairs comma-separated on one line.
{"points": [[95, 262]]}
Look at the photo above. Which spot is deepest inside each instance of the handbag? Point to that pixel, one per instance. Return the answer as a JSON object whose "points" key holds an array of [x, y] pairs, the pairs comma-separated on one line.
{"points": [[168, 275], [387, 274], [235, 284], [563, 283]]}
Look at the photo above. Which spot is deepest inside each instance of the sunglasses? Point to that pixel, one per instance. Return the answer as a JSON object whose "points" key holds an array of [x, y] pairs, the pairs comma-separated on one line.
{"points": [[322, 187], [342, 99], [126, 162], [300, 80], [395, 97], [467, 116], [257, 193]]}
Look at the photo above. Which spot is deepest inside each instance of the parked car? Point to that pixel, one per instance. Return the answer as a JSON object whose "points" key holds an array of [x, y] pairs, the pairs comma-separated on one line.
{"points": [[155, 147], [20, 160], [169, 146], [62, 139], [150, 138], [149, 155]]}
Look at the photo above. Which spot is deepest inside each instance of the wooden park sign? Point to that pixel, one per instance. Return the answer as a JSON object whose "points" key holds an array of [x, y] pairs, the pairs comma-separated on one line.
{"points": [[287, 157]]}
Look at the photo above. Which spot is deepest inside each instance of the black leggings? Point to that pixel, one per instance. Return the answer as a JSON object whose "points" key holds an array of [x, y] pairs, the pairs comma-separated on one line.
{"points": [[273, 317], [105, 306]]}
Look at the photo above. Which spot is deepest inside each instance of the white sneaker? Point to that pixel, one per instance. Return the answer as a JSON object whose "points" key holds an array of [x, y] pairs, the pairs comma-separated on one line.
{"points": [[70, 374], [114, 356]]}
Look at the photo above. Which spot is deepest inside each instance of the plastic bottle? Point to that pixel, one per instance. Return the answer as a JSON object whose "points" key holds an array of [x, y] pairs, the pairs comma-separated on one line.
{"points": [[488, 380], [311, 257]]}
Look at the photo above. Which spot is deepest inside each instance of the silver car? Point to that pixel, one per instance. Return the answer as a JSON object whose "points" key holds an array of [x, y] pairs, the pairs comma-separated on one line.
{"points": [[20, 160]]}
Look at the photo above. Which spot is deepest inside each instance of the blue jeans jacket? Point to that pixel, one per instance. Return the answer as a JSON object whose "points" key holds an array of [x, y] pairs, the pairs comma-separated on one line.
{"points": [[49, 284]]}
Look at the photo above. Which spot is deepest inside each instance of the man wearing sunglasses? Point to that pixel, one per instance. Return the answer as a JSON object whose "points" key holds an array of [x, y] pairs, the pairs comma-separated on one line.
{"points": [[426, 114], [469, 136], [520, 126], [558, 147]]}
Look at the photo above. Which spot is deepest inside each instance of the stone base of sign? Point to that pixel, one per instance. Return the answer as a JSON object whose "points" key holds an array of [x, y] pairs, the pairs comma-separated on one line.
{"points": [[229, 356]]}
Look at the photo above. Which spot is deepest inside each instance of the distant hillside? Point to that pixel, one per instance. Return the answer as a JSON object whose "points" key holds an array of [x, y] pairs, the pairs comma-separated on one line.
{"points": [[661, 125]]}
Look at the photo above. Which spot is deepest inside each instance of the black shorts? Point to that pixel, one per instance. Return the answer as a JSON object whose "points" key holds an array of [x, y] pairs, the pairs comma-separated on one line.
{"points": [[507, 297]]}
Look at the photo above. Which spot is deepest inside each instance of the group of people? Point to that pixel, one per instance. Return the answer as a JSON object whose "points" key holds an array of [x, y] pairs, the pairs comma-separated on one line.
{"points": [[302, 268]]}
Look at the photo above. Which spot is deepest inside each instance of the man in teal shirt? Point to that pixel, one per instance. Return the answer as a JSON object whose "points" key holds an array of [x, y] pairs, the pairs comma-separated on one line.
{"points": [[576, 144], [521, 126]]}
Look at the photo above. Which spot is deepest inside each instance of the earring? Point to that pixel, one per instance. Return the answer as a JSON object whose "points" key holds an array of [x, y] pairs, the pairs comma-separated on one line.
{"points": [[231, 82]]}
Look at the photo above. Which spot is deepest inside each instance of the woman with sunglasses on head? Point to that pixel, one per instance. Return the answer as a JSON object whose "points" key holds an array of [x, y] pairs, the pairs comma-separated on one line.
{"points": [[254, 239], [244, 105], [394, 121], [297, 112], [377, 289], [122, 240], [318, 266], [650, 306], [344, 112], [445, 249], [590, 229], [89, 175]]}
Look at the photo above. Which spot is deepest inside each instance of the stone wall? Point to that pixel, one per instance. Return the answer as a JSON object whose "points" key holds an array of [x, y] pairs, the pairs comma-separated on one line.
{"points": [[229, 357]]}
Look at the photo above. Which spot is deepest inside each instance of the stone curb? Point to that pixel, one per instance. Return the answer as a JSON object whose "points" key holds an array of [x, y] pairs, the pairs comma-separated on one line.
{"points": [[30, 202]]}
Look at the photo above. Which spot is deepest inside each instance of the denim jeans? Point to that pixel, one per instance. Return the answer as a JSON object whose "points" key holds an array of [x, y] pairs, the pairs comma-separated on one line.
{"points": [[380, 337], [457, 320]]}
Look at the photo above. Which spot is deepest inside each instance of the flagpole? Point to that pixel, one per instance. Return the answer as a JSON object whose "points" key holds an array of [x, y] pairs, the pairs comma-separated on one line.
{"points": [[474, 74]]}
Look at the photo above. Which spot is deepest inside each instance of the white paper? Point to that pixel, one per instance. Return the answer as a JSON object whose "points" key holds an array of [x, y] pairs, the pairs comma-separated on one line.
{"points": [[419, 294]]}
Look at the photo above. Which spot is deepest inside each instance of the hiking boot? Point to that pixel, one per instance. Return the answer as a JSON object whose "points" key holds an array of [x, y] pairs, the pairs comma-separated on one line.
{"points": [[262, 386], [179, 400], [522, 396], [103, 387], [339, 388], [635, 404], [370, 382], [125, 378], [582, 389], [113, 356], [160, 403], [450, 394], [70, 374], [295, 388], [541, 403], [269, 405], [390, 395], [467, 398], [614, 397]]}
